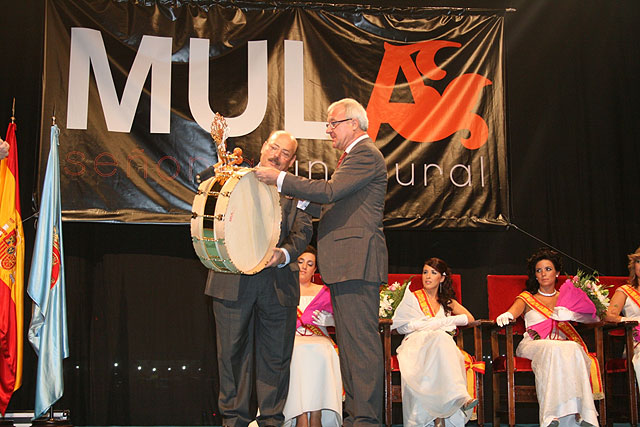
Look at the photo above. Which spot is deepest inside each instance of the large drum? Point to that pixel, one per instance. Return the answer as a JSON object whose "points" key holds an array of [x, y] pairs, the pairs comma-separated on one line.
{"points": [[235, 226]]}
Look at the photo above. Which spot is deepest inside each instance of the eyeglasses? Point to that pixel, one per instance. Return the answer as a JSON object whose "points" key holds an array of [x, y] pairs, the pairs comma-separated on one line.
{"points": [[334, 124], [275, 149]]}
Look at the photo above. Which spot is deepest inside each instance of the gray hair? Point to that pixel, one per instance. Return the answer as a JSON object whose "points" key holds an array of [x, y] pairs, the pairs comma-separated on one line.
{"points": [[354, 110]]}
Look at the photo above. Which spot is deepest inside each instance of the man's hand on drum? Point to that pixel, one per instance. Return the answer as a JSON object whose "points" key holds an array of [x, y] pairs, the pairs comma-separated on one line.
{"points": [[277, 258], [267, 175]]}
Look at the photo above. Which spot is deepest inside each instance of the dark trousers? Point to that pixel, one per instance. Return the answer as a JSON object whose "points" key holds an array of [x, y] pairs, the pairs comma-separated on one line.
{"points": [[253, 331], [355, 306]]}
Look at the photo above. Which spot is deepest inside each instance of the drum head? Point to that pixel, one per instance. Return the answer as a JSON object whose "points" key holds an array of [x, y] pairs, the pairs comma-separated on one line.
{"points": [[252, 223]]}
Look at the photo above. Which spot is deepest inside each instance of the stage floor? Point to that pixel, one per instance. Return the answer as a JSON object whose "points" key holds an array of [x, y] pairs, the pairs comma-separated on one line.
{"points": [[395, 425]]}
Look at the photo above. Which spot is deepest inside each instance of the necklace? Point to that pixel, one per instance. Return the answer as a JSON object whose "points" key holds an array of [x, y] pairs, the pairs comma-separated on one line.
{"points": [[547, 295]]}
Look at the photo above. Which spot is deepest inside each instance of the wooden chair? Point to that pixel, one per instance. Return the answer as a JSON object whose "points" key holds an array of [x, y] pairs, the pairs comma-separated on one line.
{"points": [[392, 392], [618, 336], [502, 291]]}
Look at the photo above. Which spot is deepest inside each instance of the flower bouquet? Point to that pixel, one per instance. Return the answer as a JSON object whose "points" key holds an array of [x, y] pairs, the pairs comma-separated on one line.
{"points": [[583, 298], [597, 292], [390, 297]]}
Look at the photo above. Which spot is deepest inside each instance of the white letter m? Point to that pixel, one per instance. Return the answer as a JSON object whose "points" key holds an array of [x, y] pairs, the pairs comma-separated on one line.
{"points": [[87, 48]]}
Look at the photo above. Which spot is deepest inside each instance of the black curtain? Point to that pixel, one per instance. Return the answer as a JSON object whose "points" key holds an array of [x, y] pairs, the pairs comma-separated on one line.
{"points": [[134, 292], [141, 331]]}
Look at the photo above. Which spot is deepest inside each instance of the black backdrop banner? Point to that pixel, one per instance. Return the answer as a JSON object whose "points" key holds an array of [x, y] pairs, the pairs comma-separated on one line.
{"points": [[134, 89]]}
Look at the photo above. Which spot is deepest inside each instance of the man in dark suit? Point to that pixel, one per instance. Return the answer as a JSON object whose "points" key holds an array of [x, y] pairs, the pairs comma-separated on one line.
{"points": [[256, 315], [352, 251]]}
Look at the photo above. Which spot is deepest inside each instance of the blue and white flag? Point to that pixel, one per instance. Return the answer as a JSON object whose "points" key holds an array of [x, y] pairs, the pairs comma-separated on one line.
{"points": [[48, 329]]}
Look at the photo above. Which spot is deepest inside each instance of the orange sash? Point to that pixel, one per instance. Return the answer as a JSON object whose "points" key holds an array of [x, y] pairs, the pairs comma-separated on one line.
{"points": [[471, 365], [573, 335], [317, 331], [632, 293], [421, 296]]}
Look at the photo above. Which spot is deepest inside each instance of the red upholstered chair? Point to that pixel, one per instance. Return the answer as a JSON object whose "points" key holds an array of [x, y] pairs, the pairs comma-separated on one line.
{"points": [[622, 402], [502, 291], [392, 392]]}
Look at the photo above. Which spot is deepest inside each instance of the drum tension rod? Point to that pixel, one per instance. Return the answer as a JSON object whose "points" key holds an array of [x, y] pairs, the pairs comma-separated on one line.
{"points": [[213, 258], [218, 217], [212, 193], [206, 239]]}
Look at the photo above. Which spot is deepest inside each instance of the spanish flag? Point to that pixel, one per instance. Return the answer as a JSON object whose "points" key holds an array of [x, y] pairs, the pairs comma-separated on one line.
{"points": [[11, 274]]}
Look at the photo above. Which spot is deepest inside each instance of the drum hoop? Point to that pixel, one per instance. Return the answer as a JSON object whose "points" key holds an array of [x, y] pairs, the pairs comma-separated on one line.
{"points": [[220, 225]]}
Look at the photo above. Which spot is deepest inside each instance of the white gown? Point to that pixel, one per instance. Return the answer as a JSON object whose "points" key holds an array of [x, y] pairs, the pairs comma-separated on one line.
{"points": [[561, 368], [315, 382], [631, 309], [432, 371]]}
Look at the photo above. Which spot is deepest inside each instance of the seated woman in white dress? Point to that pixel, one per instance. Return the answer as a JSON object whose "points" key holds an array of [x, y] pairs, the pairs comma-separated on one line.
{"points": [[315, 384], [431, 365], [626, 300], [560, 365]]}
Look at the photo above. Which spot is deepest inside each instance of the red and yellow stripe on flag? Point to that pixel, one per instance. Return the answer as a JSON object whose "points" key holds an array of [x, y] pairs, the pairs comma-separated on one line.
{"points": [[11, 274]]}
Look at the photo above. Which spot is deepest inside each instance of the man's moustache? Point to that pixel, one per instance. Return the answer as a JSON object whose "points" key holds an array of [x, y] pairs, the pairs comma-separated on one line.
{"points": [[275, 161]]}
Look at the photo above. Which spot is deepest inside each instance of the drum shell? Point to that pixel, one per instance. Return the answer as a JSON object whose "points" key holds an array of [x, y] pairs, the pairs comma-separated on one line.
{"points": [[235, 226]]}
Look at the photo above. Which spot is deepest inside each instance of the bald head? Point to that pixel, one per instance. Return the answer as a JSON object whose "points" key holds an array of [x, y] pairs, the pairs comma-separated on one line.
{"points": [[279, 150]]}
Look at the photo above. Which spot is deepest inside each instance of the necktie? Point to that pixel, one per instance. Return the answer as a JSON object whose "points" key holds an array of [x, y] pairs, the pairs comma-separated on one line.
{"points": [[344, 154]]}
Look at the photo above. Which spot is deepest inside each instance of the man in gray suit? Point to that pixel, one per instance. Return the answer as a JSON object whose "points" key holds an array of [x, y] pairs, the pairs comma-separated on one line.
{"points": [[256, 315], [353, 252]]}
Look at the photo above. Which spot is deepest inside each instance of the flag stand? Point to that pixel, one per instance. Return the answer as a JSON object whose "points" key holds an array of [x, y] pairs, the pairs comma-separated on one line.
{"points": [[51, 421]]}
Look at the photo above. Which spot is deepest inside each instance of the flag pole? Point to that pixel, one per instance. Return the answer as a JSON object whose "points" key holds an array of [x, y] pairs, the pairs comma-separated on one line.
{"points": [[48, 296]]}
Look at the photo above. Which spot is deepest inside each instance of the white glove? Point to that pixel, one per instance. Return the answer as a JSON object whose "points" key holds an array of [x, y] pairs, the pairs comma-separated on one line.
{"points": [[427, 324], [423, 323], [458, 320], [432, 324], [323, 318], [630, 319], [504, 319], [563, 314]]}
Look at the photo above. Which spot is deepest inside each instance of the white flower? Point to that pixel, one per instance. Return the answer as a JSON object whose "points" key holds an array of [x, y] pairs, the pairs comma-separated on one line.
{"points": [[385, 305], [386, 302]]}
